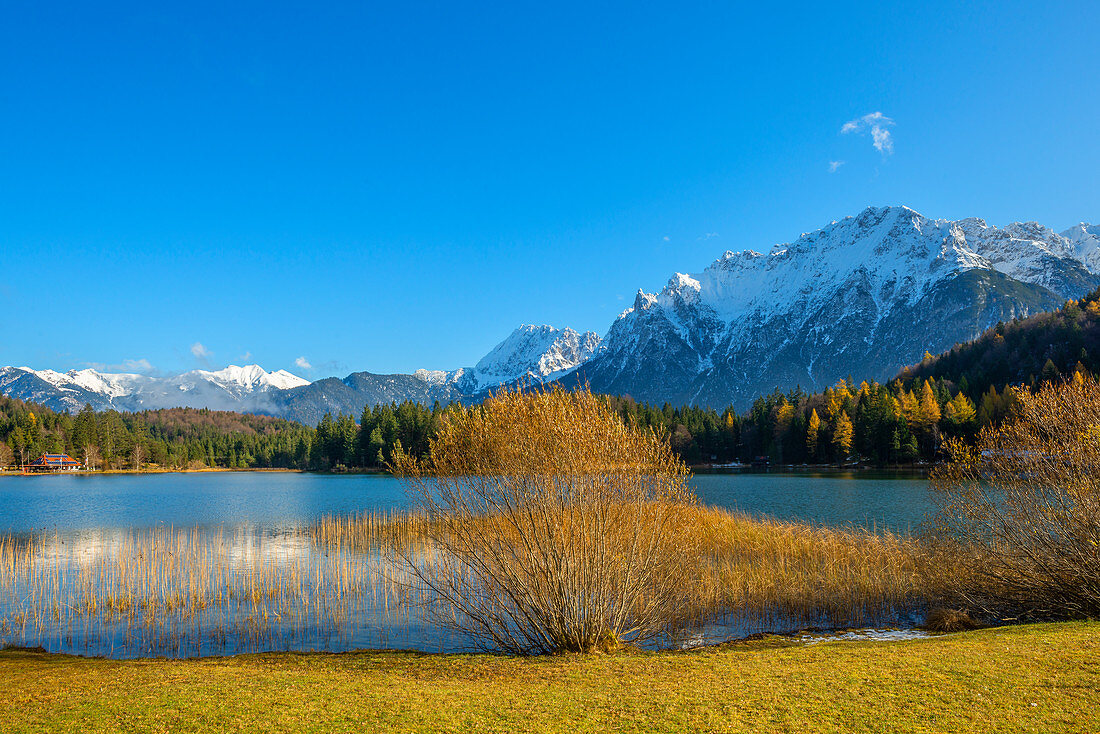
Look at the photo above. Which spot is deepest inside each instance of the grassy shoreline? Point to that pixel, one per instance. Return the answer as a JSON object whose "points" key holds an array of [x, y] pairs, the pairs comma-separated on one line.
{"points": [[1021, 678]]}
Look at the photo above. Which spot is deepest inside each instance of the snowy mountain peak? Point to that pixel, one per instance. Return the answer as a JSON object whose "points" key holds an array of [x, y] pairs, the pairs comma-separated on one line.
{"points": [[251, 377], [1084, 239], [539, 353], [894, 247]]}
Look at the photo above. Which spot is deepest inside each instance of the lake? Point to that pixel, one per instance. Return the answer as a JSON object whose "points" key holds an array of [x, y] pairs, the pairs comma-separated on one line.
{"points": [[225, 562], [283, 500]]}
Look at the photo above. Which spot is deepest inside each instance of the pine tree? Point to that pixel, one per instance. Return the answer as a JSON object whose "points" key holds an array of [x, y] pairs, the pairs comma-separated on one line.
{"points": [[1050, 372], [929, 407]]}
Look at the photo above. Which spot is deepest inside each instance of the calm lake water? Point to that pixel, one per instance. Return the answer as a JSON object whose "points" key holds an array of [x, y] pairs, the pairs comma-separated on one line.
{"points": [[221, 563], [274, 501]]}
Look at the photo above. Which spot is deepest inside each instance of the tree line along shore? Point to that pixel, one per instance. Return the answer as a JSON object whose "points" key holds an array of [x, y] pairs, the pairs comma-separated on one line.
{"points": [[894, 424]]}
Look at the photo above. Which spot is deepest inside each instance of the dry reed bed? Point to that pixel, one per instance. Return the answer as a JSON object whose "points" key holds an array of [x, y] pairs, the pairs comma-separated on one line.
{"points": [[731, 567], [160, 589]]}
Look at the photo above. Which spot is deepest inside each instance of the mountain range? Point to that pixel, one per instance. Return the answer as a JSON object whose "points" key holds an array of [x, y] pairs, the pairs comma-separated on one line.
{"points": [[530, 355], [863, 296]]}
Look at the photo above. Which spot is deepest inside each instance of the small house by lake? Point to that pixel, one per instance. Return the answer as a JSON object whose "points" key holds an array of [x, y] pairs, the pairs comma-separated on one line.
{"points": [[53, 462]]}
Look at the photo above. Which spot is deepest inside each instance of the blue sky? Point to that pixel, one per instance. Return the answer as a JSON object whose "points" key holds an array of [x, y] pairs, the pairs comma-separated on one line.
{"points": [[384, 187]]}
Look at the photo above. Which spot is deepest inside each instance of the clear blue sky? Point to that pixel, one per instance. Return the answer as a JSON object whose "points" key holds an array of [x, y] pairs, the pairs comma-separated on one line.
{"points": [[391, 186]]}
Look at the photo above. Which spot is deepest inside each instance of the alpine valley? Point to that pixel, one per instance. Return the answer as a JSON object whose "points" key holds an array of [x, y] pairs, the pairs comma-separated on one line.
{"points": [[862, 297]]}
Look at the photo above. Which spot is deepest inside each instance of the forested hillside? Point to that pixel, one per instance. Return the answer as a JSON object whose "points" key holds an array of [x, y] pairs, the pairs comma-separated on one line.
{"points": [[1023, 351], [171, 438]]}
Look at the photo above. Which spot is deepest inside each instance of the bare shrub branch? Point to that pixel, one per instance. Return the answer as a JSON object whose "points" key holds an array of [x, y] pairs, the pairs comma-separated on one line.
{"points": [[1024, 505], [552, 524]]}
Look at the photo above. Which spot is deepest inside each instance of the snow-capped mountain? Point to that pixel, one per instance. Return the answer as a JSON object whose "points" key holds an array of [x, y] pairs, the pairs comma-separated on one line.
{"points": [[863, 296], [245, 388], [530, 354]]}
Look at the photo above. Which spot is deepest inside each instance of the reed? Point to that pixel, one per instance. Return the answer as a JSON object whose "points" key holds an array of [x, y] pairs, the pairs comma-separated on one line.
{"points": [[161, 590], [169, 591], [758, 574]]}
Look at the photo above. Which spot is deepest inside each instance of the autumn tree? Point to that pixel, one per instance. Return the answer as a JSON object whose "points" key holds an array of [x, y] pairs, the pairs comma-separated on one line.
{"points": [[813, 428], [842, 437]]}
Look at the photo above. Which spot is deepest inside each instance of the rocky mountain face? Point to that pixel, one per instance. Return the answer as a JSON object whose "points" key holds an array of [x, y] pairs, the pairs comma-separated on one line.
{"points": [[863, 296]]}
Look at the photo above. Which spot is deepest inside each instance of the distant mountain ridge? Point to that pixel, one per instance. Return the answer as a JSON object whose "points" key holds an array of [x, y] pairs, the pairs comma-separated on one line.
{"points": [[863, 296], [244, 389], [530, 355]]}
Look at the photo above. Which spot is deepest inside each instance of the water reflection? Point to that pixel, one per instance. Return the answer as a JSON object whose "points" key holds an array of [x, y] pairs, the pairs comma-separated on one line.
{"points": [[197, 592]]}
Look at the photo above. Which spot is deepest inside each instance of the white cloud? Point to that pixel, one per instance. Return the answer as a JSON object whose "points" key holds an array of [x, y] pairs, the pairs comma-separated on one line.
{"points": [[136, 365], [665, 238], [709, 236], [879, 125], [834, 165], [201, 353], [140, 366], [303, 363], [245, 357]]}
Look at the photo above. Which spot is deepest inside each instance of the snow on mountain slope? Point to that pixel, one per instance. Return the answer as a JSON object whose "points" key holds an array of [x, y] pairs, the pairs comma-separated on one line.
{"points": [[232, 388], [535, 353], [862, 296], [1085, 241]]}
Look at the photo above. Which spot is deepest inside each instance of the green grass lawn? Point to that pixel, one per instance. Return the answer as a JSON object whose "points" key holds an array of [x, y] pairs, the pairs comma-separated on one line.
{"points": [[1042, 678]]}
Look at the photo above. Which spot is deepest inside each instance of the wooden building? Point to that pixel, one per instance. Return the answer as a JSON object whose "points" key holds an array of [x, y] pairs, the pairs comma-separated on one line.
{"points": [[53, 462]]}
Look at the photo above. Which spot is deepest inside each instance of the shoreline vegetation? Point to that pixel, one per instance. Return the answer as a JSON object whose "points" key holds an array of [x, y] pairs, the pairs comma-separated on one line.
{"points": [[852, 468], [546, 506]]}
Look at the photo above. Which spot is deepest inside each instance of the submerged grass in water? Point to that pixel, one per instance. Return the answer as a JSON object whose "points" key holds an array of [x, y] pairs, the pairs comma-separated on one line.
{"points": [[341, 584]]}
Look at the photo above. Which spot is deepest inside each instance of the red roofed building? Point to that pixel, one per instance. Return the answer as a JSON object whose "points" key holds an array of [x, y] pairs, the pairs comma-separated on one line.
{"points": [[53, 462]]}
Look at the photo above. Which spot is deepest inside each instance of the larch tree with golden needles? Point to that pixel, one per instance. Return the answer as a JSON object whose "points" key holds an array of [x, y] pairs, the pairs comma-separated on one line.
{"points": [[813, 428], [553, 526], [842, 437], [1024, 502]]}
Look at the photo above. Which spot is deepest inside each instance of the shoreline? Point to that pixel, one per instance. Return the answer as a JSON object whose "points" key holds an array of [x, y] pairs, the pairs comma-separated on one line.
{"points": [[911, 469]]}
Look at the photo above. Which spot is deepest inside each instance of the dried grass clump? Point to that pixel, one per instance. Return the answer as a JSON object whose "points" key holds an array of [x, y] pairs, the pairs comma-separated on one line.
{"points": [[1024, 505], [552, 525], [942, 619], [791, 574]]}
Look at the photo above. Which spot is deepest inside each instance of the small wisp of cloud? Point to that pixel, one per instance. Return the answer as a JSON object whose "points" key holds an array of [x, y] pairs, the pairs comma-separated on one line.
{"points": [[834, 165], [201, 353], [136, 366], [303, 363], [879, 125]]}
